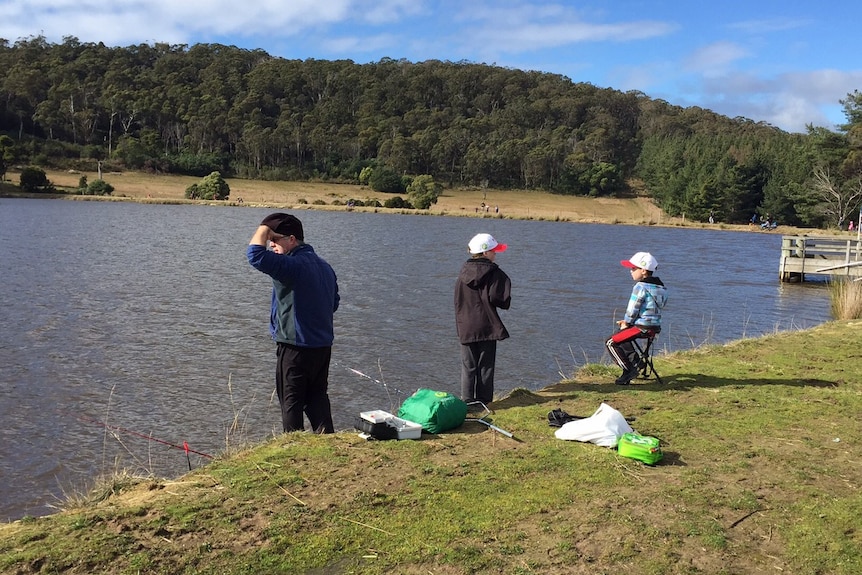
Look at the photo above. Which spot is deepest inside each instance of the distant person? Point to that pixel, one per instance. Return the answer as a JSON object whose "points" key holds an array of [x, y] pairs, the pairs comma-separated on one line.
{"points": [[481, 289], [304, 299], [850, 226], [643, 313]]}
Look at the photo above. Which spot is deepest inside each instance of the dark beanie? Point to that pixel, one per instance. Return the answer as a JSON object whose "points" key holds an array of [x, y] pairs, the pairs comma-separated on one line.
{"points": [[284, 224]]}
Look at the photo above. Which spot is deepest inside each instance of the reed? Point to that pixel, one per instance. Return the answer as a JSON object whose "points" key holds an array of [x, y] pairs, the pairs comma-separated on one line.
{"points": [[100, 489], [845, 296]]}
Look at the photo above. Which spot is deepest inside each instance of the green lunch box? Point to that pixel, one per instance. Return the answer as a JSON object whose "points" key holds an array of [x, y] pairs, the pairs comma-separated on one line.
{"points": [[641, 447]]}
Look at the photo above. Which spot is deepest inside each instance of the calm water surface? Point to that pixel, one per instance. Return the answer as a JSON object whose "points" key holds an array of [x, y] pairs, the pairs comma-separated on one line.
{"points": [[128, 329]]}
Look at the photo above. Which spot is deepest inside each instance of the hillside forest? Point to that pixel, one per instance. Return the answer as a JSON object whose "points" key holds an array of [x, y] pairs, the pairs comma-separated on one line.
{"points": [[210, 108]]}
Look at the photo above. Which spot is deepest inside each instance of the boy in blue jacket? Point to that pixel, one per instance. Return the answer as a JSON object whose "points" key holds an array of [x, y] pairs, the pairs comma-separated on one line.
{"points": [[643, 314], [304, 299]]}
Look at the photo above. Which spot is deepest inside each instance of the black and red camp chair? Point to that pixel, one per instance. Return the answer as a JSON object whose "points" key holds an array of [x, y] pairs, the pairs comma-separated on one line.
{"points": [[643, 345]]}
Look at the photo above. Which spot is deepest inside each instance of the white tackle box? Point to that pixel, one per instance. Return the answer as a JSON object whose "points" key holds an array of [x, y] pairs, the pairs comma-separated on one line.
{"points": [[381, 424]]}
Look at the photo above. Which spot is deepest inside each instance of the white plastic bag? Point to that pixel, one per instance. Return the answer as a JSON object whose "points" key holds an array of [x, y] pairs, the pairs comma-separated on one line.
{"points": [[604, 427]]}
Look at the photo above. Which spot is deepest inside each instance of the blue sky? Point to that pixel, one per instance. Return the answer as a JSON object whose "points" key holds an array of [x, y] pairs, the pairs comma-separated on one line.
{"points": [[784, 63]]}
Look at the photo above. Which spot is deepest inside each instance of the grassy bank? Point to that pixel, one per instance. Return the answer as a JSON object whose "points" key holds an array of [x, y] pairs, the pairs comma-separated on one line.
{"points": [[761, 474]]}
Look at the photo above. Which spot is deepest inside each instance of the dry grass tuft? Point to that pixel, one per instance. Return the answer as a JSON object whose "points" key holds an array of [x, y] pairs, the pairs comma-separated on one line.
{"points": [[102, 488], [845, 297]]}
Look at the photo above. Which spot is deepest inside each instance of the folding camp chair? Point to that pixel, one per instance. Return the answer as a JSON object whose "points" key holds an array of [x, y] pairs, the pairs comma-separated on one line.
{"points": [[644, 347]]}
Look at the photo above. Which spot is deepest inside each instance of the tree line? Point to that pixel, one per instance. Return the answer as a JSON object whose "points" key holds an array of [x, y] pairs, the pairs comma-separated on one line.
{"points": [[242, 113]]}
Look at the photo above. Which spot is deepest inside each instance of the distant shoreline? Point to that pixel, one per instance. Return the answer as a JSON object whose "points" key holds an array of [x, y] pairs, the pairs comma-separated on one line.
{"points": [[512, 204]]}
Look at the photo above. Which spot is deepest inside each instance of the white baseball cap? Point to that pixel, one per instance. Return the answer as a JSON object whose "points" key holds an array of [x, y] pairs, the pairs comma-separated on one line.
{"points": [[642, 260], [482, 243]]}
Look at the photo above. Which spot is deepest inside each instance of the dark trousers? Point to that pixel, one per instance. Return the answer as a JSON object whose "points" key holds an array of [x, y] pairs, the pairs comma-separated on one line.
{"points": [[302, 382], [477, 371], [622, 349]]}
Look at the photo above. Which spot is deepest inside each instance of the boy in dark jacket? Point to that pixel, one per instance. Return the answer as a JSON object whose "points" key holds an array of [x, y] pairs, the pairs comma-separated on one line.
{"points": [[481, 289]]}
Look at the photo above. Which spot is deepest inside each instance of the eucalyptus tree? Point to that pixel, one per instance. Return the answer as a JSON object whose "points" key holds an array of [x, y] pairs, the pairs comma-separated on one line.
{"points": [[26, 81], [836, 178]]}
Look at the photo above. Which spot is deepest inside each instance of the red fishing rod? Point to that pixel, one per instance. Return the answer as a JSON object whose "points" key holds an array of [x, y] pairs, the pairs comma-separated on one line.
{"points": [[185, 446]]}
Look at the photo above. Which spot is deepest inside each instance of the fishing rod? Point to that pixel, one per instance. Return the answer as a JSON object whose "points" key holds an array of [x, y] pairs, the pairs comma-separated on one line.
{"points": [[492, 426], [484, 421], [386, 386], [185, 446]]}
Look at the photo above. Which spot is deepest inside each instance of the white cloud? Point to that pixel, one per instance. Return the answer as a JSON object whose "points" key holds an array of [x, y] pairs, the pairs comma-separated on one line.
{"points": [[715, 59], [352, 46], [527, 27], [388, 11], [789, 100], [793, 112], [539, 36], [766, 26], [131, 21], [823, 85]]}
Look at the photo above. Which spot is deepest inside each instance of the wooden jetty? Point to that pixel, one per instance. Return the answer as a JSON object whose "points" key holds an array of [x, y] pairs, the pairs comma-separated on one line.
{"points": [[824, 256]]}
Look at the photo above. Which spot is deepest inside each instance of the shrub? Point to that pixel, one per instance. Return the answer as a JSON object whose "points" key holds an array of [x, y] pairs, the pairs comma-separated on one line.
{"points": [[397, 202], [211, 187], [7, 154], [424, 191], [33, 179], [385, 180], [99, 188], [198, 164], [365, 175]]}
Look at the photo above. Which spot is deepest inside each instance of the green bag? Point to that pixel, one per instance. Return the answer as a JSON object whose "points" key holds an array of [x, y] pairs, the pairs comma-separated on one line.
{"points": [[641, 447], [435, 411]]}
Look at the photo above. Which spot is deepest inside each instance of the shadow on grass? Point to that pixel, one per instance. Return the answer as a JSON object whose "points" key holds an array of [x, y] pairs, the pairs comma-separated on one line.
{"points": [[569, 390], [686, 381], [677, 382]]}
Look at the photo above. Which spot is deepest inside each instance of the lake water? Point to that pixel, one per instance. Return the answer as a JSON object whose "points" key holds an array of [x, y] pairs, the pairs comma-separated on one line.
{"points": [[129, 329]]}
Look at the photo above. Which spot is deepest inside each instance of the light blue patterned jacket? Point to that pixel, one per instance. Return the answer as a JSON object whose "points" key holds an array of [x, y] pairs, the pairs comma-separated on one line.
{"points": [[648, 298]]}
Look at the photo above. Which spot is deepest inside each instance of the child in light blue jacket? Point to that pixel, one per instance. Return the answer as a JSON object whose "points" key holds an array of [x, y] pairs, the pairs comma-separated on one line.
{"points": [[643, 314]]}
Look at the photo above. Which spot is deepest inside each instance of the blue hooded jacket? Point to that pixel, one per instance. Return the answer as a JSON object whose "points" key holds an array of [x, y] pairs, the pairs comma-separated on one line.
{"points": [[304, 295]]}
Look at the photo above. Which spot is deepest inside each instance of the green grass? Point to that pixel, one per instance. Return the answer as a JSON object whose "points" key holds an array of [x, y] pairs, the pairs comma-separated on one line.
{"points": [[761, 474]]}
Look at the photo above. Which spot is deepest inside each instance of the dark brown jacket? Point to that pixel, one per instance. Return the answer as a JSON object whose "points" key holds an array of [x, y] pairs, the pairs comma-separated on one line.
{"points": [[481, 289]]}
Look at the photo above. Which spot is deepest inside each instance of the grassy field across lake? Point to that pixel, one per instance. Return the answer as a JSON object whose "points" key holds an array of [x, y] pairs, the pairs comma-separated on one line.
{"points": [[761, 474], [517, 204], [466, 202]]}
